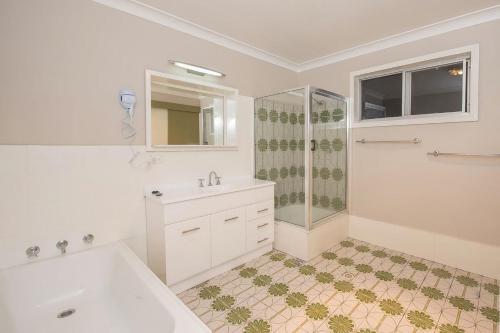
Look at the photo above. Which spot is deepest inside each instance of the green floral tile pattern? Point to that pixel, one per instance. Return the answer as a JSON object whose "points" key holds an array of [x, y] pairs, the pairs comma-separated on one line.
{"points": [[341, 324], [258, 326], [420, 319], [280, 153], [317, 311], [432, 293], [384, 276], [391, 307], [296, 300], [238, 315], [223, 303], [209, 292], [353, 287], [278, 289]]}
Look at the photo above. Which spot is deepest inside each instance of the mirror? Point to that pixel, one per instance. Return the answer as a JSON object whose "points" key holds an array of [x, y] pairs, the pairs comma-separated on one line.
{"points": [[185, 114]]}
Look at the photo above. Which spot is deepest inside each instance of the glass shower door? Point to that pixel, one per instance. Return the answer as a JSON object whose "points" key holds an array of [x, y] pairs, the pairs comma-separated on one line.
{"points": [[328, 134]]}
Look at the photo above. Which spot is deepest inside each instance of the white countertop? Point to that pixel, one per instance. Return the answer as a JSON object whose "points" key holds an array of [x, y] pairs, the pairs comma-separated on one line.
{"points": [[184, 192]]}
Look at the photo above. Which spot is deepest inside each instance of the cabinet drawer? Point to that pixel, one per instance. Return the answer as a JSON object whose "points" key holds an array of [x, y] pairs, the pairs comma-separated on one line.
{"points": [[228, 235], [187, 249], [260, 209], [260, 232]]}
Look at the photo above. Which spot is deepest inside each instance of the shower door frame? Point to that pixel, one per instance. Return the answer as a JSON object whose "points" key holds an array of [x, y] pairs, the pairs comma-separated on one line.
{"points": [[308, 184], [309, 225]]}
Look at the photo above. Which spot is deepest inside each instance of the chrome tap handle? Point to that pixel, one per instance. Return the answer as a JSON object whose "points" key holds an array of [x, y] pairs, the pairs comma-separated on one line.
{"points": [[210, 177], [62, 245], [200, 182], [218, 180], [33, 251], [88, 238]]}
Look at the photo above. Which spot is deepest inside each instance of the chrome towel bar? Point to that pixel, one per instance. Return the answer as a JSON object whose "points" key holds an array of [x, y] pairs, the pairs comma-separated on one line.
{"points": [[437, 153], [415, 140]]}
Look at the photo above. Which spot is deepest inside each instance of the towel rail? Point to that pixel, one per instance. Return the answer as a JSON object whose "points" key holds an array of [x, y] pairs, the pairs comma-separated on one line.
{"points": [[415, 140], [437, 153]]}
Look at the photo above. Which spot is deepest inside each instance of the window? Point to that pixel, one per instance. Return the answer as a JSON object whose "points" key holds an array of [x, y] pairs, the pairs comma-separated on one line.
{"points": [[382, 97], [435, 88], [439, 89]]}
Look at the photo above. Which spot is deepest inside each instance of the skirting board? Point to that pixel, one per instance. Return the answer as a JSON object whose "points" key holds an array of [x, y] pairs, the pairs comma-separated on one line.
{"points": [[467, 255]]}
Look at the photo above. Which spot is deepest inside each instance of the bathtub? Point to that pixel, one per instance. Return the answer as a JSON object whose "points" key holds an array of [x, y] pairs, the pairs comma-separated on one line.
{"points": [[104, 289]]}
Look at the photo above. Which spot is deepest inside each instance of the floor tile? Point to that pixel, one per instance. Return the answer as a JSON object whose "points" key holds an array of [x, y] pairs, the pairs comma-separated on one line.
{"points": [[353, 287]]}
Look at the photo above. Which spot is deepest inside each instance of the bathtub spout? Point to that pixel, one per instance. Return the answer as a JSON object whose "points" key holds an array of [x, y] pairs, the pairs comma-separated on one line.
{"points": [[62, 245]]}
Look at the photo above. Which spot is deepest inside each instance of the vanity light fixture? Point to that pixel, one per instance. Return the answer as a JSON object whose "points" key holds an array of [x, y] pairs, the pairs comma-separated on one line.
{"points": [[198, 70]]}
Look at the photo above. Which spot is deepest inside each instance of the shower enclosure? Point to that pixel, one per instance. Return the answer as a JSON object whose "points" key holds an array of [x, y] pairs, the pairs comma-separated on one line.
{"points": [[301, 144]]}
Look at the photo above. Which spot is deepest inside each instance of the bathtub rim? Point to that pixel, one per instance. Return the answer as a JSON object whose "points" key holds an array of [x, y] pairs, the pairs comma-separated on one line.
{"points": [[184, 319]]}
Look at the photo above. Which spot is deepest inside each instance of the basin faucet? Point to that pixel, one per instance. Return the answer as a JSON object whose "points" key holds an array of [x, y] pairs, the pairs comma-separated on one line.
{"points": [[210, 178], [62, 245]]}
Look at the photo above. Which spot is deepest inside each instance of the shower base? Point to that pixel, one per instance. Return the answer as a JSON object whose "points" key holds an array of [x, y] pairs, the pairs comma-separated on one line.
{"points": [[295, 214], [307, 244]]}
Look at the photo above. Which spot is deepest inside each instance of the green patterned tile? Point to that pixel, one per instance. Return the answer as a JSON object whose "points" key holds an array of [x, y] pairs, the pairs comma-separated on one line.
{"points": [[353, 287]]}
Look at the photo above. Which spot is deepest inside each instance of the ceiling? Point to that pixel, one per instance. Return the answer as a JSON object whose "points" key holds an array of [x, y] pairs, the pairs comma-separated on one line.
{"points": [[301, 31]]}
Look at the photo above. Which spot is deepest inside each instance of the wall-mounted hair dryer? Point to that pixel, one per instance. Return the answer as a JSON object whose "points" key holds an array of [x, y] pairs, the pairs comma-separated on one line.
{"points": [[127, 101]]}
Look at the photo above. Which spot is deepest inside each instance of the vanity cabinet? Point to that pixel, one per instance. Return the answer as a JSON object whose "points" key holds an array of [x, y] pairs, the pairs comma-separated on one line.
{"points": [[187, 248], [192, 239], [228, 235]]}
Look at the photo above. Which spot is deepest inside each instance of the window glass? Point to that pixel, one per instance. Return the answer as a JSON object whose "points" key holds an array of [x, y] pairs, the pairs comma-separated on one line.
{"points": [[438, 89], [381, 97]]}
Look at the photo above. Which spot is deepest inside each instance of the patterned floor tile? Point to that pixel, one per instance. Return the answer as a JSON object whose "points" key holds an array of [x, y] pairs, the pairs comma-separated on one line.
{"points": [[353, 287]]}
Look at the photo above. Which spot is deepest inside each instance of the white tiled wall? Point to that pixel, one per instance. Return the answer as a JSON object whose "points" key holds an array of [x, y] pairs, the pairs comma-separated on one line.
{"points": [[48, 193]]}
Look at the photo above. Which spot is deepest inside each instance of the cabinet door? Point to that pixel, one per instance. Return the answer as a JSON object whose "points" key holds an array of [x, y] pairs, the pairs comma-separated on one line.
{"points": [[187, 249], [228, 235]]}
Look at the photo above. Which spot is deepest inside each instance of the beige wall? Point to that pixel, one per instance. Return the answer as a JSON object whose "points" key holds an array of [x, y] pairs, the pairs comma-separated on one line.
{"points": [[399, 184], [63, 63]]}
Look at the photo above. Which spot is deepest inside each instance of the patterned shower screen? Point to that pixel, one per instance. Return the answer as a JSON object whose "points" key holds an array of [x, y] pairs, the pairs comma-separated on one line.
{"points": [[329, 158], [280, 134], [279, 151]]}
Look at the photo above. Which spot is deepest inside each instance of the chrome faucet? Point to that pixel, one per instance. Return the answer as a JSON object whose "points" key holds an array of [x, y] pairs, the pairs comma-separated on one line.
{"points": [[217, 178], [62, 245], [88, 238], [33, 251], [200, 182]]}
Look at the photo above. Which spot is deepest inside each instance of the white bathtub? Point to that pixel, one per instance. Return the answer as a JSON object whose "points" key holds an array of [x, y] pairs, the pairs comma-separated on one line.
{"points": [[109, 288]]}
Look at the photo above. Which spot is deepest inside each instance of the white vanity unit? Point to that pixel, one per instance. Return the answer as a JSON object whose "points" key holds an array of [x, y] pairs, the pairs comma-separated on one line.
{"points": [[197, 233]]}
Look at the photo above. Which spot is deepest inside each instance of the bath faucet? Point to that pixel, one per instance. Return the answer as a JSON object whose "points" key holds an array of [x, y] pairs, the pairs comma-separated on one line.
{"points": [[88, 238], [217, 178], [62, 245], [33, 251]]}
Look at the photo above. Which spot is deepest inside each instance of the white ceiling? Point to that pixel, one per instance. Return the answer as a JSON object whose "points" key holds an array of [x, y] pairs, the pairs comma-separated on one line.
{"points": [[300, 30]]}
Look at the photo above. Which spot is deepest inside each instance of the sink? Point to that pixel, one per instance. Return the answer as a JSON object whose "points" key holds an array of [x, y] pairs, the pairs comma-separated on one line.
{"points": [[214, 188], [183, 192]]}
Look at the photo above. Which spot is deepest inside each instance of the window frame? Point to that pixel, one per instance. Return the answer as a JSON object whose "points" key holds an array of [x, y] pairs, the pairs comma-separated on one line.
{"points": [[469, 55]]}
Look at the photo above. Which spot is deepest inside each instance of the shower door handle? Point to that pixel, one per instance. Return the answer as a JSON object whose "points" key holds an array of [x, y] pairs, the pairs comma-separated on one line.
{"points": [[313, 145]]}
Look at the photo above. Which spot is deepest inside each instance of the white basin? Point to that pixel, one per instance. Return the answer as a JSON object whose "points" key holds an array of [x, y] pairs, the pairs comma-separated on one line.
{"points": [[177, 193]]}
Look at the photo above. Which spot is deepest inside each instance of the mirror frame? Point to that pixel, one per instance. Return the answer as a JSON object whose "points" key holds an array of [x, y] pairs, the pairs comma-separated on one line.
{"points": [[230, 107]]}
